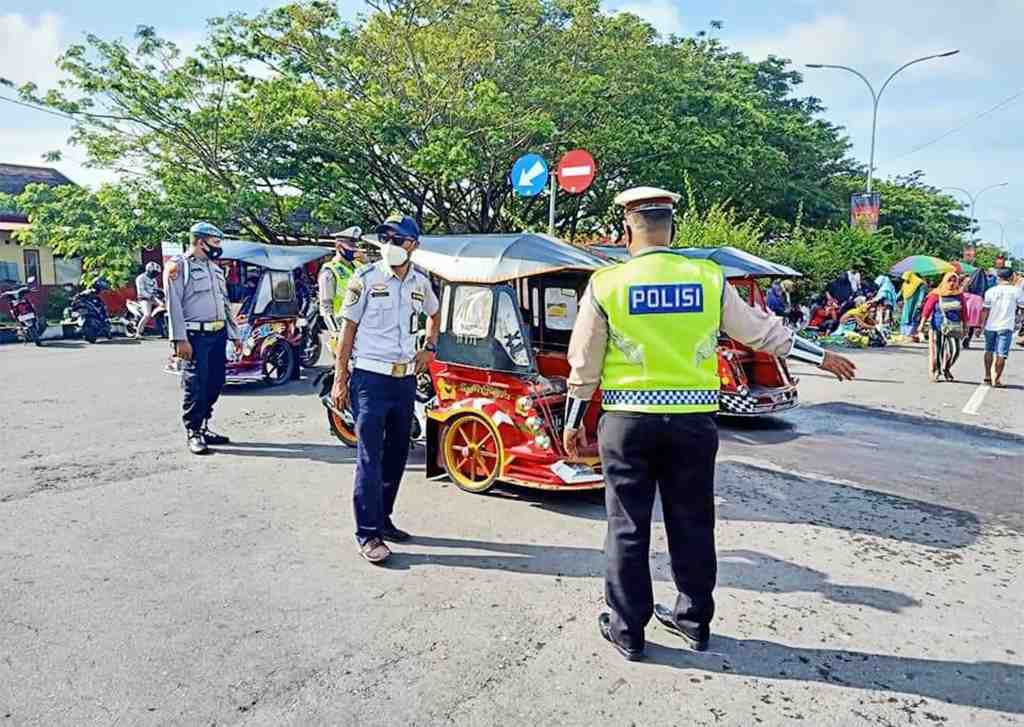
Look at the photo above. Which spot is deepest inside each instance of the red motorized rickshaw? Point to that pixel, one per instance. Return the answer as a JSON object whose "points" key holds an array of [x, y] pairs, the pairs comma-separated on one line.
{"points": [[262, 291], [508, 303], [496, 391]]}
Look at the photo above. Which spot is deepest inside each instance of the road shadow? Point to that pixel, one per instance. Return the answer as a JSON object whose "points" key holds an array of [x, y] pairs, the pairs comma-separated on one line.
{"points": [[765, 429], [59, 343], [330, 453], [982, 684], [295, 387], [747, 493], [745, 570]]}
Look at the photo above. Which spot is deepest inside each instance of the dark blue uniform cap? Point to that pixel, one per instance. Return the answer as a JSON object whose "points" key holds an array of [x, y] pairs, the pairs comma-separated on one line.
{"points": [[400, 226]]}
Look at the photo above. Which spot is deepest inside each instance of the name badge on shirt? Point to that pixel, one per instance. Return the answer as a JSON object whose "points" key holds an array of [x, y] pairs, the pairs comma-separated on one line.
{"points": [[666, 298], [379, 291]]}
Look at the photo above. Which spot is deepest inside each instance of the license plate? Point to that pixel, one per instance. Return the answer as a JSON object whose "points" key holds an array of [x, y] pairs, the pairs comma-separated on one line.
{"points": [[27, 317]]}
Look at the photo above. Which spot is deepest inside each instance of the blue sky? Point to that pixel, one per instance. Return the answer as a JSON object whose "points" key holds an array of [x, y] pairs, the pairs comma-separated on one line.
{"points": [[922, 104]]}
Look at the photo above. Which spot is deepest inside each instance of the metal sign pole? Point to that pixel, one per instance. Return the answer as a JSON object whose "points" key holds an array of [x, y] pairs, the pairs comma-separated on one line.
{"points": [[551, 207]]}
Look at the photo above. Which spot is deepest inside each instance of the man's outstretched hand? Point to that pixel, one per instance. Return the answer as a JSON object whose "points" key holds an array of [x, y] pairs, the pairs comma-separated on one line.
{"points": [[840, 366]]}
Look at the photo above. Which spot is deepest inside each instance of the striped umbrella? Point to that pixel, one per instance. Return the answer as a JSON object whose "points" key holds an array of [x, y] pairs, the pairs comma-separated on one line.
{"points": [[923, 265]]}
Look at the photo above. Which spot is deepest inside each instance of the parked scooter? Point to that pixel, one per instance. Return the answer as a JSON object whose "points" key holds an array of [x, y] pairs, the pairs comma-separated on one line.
{"points": [[343, 425], [30, 325], [87, 317], [312, 343], [157, 319]]}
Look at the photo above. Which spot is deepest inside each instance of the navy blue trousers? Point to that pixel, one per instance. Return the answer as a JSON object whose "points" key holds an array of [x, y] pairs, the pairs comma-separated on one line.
{"points": [[202, 378], [383, 408], [673, 455]]}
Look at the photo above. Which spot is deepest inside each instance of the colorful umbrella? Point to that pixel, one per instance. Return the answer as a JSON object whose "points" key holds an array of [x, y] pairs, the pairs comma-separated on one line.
{"points": [[965, 268], [923, 265]]}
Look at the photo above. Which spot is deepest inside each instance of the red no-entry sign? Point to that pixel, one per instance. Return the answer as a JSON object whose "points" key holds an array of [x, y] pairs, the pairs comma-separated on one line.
{"points": [[576, 171]]}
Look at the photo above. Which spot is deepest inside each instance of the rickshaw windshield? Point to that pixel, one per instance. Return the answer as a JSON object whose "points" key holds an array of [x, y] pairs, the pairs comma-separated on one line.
{"points": [[275, 295], [481, 327]]}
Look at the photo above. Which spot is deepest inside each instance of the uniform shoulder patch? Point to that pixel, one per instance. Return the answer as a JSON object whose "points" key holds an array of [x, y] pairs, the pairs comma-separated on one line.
{"points": [[174, 267], [354, 290], [364, 271]]}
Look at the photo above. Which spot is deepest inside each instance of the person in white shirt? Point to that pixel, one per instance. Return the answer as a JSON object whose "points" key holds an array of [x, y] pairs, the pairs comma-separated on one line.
{"points": [[998, 317]]}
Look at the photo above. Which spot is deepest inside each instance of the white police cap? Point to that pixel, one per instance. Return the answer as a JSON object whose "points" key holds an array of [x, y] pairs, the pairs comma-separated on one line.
{"points": [[639, 199], [351, 233]]}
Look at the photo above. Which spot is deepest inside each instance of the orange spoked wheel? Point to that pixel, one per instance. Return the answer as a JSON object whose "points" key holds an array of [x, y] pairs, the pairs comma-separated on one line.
{"points": [[343, 427], [472, 453]]}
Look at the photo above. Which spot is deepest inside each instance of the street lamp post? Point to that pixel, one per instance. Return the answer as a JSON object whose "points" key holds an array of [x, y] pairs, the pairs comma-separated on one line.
{"points": [[875, 97], [974, 197], [1002, 230]]}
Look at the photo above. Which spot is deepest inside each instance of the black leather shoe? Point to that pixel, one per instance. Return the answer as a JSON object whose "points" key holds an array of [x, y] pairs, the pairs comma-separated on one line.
{"points": [[395, 535], [196, 443], [604, 623], [214, 438], [697, 636]]}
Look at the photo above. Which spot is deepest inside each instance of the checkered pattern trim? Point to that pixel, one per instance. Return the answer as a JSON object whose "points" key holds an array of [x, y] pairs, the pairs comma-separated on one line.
{"points": [[738, 404], [662, 397]]}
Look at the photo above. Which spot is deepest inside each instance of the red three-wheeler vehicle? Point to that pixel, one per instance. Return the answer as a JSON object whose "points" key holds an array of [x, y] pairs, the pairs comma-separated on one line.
{"points": [[498, 384]]}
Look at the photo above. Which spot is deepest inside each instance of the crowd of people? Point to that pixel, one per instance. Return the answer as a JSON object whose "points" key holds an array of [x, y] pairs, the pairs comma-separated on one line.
{"points": [[965, 302]]}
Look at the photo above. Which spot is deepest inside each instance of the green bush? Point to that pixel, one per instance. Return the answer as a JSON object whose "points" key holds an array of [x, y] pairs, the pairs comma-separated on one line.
{"points": [[56, 302]]}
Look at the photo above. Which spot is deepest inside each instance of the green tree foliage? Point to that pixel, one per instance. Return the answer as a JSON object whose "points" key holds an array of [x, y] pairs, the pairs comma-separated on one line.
{"points": [[294, 119], [105, 228], [425, 105]]}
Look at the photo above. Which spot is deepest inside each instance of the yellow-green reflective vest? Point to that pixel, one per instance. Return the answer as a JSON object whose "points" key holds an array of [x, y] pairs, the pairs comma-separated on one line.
{"points": [[664, 311], [342, 272]]}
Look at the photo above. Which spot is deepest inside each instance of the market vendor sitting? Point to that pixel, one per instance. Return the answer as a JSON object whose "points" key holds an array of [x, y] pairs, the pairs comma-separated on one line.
{"points": [[862, 315]]}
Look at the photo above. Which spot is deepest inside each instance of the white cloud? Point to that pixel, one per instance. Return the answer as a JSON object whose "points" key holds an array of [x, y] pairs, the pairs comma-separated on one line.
{"points": [[29, 48], [26, 146], [664, 15]]}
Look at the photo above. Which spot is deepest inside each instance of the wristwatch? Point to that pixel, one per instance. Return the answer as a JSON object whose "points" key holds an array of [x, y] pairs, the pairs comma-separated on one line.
{"points": [[429, 346]]}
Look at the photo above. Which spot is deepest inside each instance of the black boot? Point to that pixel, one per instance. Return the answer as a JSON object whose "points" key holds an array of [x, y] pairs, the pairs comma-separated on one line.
{"points": [[213, 437], [196, 443]]}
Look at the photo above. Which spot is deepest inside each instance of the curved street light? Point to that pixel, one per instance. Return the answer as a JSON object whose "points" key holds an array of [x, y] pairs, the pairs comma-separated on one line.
{"points": [[1002, 230], [875, 97], [974, 197]]}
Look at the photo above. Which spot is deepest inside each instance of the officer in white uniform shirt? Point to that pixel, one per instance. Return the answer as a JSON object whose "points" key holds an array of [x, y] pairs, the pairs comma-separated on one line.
{"points": [[376, 371]]}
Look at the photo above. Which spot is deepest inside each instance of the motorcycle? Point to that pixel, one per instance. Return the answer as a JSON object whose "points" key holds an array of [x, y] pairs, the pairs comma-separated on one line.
{"points": [[343, 425], [87, 317], [30, 326], [157, 317], [311, 345]]}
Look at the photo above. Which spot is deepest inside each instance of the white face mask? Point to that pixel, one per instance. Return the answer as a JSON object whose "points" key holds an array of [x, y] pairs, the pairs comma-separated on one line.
{"points": [[394, 255]]}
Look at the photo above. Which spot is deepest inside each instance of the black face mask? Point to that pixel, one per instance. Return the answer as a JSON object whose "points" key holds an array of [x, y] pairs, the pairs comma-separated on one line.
{"points": [[213, 251], [152, 274]]}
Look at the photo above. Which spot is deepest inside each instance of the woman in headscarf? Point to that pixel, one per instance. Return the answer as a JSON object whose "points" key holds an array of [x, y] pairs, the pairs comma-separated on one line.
{"points": [[944, 311], [886, 298], [913, 292]]}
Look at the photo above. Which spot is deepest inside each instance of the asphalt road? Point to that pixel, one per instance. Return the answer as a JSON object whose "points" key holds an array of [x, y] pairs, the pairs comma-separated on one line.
{"points": [[870, 547]]}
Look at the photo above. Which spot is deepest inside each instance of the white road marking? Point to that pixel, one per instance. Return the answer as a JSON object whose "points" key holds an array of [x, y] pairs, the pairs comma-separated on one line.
{"points": [[974, 403]]}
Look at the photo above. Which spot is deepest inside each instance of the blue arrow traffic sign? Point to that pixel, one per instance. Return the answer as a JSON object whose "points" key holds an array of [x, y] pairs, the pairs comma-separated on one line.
{"points": [[529, 175]]}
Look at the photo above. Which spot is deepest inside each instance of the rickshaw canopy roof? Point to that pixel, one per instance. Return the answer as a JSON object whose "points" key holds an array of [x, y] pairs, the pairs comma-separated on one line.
{"points": [[499, 258], [735, 263], [273, 257]]}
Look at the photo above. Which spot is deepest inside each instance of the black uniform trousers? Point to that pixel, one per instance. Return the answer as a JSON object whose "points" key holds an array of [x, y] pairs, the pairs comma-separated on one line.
{"points": [[673, 454], [203, 377]]}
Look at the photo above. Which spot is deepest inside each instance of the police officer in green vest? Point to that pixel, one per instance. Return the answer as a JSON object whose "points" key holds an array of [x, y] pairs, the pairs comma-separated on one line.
{"points": [[647, 333], [334, 275]]}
